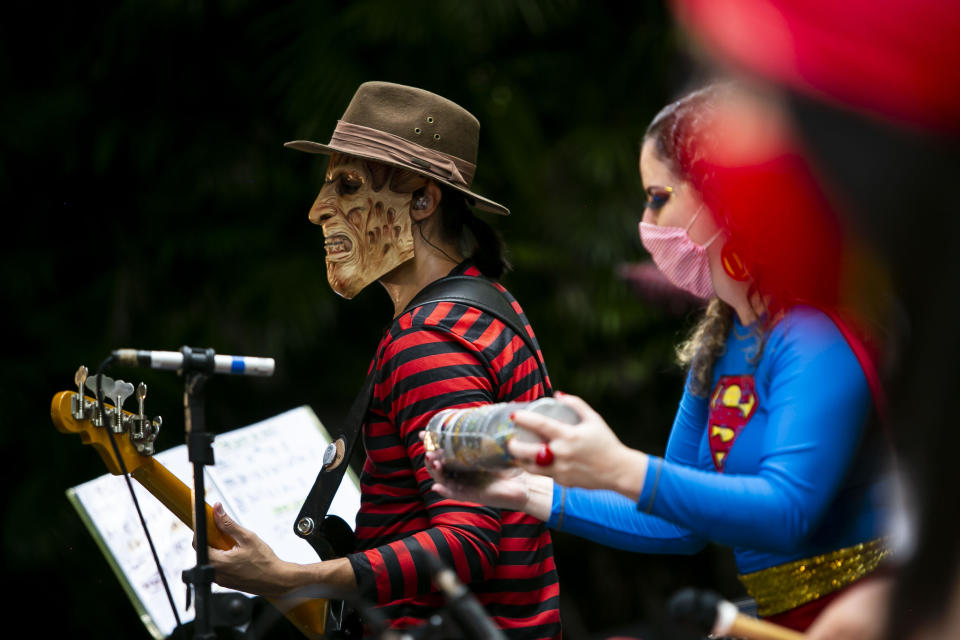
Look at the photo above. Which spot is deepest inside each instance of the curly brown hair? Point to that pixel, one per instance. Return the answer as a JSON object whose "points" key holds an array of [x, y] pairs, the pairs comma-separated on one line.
{"points": [[705, 344]]}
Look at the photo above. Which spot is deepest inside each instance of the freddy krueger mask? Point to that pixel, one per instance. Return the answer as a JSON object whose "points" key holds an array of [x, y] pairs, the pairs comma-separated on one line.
{"points": [[364, 209]]}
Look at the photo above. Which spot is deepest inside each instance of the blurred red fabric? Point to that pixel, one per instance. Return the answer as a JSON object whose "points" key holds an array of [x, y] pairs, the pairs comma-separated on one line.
{"points": [[899, 59]]}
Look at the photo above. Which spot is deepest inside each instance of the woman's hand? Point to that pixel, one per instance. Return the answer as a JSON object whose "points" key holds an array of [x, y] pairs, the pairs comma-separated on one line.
{"points": [[251, 565], [586, 455], [512, 489]]}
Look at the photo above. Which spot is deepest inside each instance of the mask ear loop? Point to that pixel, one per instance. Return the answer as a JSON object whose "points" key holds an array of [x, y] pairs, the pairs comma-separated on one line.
{"points": [[690, 224], [712, 238], [693, 219]]}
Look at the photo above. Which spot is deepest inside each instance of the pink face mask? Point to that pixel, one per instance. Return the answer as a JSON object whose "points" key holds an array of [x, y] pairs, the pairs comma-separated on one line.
{"points": [[681, 260]]}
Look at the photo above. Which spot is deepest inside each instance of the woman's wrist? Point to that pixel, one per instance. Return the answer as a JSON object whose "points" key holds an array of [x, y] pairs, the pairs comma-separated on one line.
{"points": [[628, 471], [539, 498]]}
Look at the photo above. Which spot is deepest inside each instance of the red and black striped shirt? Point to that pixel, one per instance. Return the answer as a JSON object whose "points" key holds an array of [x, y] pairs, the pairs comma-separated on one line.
{"points": [[438, 356]]}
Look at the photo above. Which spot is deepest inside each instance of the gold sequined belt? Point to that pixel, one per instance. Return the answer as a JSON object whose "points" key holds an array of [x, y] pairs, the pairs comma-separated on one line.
{"points": [[785, 586]]}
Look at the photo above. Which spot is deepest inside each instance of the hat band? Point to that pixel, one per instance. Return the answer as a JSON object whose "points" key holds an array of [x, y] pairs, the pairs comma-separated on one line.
{"points": [[372, 143]]}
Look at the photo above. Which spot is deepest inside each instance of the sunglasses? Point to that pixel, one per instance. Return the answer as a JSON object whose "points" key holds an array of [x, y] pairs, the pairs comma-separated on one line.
{"points": [[657, 197]]}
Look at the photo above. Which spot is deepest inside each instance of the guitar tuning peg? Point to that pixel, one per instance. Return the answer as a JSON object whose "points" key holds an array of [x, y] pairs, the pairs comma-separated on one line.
{"points": [[141, 396], [140, 422], [143, 430], [106, 385], [146, 446], [79, 404], [121, 391], [80, 377]]}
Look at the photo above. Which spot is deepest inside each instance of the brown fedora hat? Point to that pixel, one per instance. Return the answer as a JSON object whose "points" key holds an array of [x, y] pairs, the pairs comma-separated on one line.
{"points": [[410, 128]]}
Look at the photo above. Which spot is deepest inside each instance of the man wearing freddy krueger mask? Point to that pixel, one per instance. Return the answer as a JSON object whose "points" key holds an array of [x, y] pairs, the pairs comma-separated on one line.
{"points": [[395, 207]]}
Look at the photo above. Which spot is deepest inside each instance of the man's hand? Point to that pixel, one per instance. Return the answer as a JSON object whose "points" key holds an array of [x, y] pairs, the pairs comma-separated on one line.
{"points": [[512, 489], [251, 565]]}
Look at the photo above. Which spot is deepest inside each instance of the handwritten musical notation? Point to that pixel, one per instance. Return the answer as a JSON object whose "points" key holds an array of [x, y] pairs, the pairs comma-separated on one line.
{"points": [[265, 473], [262, 475]]}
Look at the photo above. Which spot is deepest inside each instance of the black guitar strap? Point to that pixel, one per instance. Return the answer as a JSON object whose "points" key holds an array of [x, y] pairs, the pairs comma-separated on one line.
{"points": [[330, 536]]}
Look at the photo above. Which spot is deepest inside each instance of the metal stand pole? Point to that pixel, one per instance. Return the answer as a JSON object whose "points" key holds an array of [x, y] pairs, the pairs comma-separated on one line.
{"points": [[197, 365]]}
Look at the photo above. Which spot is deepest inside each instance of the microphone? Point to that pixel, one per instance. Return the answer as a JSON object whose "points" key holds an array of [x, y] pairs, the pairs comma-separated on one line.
{"points": [[464, 608], [193, 359], [714, 616]]}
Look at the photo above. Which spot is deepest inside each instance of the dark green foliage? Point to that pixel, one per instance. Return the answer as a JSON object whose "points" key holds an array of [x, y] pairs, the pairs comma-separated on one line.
{"points": [[149, 203]]}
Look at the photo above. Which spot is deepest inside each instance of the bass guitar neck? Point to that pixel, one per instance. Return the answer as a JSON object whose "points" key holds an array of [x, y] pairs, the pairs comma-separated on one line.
{"points": [[70, 414]]}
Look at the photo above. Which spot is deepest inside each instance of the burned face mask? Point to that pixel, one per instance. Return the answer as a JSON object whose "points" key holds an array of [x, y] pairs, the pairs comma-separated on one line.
{"points": [[364, 209]]}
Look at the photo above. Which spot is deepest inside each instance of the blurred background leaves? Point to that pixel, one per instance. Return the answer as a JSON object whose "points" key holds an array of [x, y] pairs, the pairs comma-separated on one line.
{"points": [[150, 203]]}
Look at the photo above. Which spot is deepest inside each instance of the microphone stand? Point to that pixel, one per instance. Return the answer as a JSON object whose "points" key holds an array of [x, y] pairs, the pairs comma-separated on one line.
{"points": [[197, 366]]}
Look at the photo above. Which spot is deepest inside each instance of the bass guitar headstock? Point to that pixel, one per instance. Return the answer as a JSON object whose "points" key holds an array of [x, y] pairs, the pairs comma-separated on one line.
{"points": [[135, 433]]}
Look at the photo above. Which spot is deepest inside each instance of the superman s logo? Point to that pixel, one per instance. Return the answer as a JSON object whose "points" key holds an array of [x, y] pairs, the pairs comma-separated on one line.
{"points": [[732, 404], [726, 434]]}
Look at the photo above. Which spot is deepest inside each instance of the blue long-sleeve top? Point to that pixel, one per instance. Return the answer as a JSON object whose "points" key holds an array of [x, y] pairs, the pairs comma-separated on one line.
{"points": [[776, 462]]}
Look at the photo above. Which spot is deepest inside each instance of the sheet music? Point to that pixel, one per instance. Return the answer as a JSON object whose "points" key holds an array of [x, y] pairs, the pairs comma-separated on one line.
{"points": [[262, 474], [109, 508], [266, 471]]}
